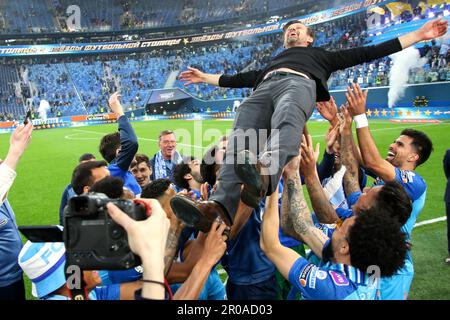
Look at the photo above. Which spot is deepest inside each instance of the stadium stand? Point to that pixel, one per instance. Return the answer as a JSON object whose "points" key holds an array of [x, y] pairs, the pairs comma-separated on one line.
{"points": [[108, 15], [80, 85]]}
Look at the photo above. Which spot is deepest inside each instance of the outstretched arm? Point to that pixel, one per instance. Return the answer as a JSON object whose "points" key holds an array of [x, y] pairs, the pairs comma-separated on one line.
{"points": [[295, 204], [19, 141], [283, 258], [432, 29], [214, 249], [128, 139], [193, 75], [240, 80], [320, 203], [342, 59], [351, 177], [356, 102]]}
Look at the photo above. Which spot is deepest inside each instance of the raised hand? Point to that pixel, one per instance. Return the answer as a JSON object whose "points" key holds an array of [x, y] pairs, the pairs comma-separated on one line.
{"points": [[328, 110], [192, 75], [115, 105], [19, 141], [345, 120], [331, 137], [356, 100], [433, 29], [215, 245], [308, 162], [204, 191]]}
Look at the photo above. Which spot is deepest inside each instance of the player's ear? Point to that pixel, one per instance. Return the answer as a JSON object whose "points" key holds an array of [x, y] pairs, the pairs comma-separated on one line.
{"points": [[344, 248], [414, 157]]}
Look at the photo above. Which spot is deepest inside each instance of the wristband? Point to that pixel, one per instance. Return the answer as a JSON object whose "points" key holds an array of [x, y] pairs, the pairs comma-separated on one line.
{"points": [[361, 121]]}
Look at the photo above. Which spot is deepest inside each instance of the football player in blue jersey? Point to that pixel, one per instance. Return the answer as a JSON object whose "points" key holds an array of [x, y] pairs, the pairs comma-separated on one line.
{"points": [[349, 257], [119, 148], [410, 150]]}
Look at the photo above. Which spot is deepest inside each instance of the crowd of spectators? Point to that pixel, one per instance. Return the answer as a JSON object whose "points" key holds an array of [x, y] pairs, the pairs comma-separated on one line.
{"points": [[78, 85]]}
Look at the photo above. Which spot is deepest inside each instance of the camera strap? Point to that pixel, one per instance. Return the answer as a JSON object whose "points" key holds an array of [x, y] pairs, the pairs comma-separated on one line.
{"points": [[75, 283]]}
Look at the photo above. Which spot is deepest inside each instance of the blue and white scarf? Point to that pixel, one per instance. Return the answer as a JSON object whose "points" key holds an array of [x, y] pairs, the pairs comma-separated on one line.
{"points": [[160, 164]]}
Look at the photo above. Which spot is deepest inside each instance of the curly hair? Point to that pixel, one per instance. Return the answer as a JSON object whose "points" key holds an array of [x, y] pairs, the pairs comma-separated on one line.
{"points": [[111, 186], [109, 145], [179, 172], [208, 166], [376, 239], [155, 189], [394, 199]]}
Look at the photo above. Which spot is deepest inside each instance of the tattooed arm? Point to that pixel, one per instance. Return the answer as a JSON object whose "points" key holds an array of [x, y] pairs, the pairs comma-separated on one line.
{"points": [[294, 203], [320, 203], [171, 246], [351, 177], [283, 257]]}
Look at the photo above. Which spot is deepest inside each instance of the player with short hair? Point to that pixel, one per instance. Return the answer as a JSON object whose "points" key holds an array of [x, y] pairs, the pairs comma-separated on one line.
{"points": [[410, 150]]}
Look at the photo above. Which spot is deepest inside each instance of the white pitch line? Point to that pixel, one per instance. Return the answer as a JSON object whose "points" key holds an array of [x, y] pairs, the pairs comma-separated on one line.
{"points": [[431, 221], [70, 137]]}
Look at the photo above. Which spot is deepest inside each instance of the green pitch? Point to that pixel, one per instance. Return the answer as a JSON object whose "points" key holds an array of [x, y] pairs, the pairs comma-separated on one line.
{"points": [[47, 165]]}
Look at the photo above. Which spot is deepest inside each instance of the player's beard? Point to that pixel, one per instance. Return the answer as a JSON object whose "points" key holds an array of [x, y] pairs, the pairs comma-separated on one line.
{"points": [[327, 252]]}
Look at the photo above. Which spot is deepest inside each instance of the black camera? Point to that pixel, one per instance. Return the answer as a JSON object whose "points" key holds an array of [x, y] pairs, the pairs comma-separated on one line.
{"points": [[92, 239]]}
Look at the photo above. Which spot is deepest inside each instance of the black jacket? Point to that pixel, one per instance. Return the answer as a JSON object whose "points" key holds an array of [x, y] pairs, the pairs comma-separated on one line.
{"points": [[317, 63], [447, 175]]}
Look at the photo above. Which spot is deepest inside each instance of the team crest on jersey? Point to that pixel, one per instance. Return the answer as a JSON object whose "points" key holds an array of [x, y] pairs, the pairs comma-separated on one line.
{"points": [[3, 222], [321, 275], [339, 279]]}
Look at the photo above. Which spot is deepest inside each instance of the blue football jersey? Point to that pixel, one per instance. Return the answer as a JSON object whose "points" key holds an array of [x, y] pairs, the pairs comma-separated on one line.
{"points": [[397, 287], [331, 282]]}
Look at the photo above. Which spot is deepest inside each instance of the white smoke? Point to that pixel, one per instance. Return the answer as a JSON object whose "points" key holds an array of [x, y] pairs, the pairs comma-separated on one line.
{"points": [[43, 108], [402, 63]]}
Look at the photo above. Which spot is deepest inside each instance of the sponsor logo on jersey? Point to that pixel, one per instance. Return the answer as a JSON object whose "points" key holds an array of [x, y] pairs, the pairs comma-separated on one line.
{"points": [[339, 279], [312, 278], [304, 274]]}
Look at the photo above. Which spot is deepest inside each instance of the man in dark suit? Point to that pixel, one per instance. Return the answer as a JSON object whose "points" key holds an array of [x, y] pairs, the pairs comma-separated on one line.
{"points": [[447, 199]]}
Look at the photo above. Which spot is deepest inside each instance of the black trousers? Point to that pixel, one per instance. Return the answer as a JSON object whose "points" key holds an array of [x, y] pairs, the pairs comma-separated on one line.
{"points": [[447, 209], [270, 124], [264, 290], [15, 291]]}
